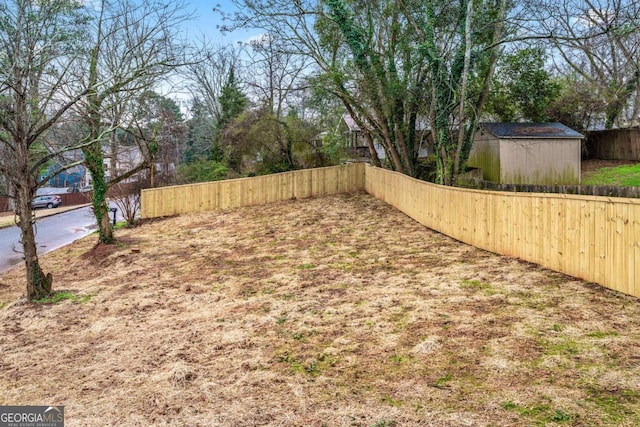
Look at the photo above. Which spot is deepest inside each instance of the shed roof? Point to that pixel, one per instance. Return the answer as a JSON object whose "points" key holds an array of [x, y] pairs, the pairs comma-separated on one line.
{"points": [[531, 130]]}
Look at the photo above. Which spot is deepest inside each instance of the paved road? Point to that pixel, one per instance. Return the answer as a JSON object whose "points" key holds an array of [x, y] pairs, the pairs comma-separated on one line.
{"points": [[52, 232]]}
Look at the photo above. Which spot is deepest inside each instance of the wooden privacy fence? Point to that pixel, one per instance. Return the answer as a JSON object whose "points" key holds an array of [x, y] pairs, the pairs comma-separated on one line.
{"points": [[167, 201], [593, 238], [614, 144]]}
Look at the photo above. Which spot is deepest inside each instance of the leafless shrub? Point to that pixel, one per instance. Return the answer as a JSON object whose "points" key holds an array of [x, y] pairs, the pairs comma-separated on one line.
{"points": [[127, 197]]}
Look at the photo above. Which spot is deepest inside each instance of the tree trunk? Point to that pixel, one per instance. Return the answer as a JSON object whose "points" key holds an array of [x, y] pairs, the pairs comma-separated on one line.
{"points": [[95, 164], [152, 172], [372, 149], [612, 112], [396, 163], [406, 158], [22, 184], [93, 154], [101, 208], [458, 161], [113, 161], [11, 201], [38, 284]]}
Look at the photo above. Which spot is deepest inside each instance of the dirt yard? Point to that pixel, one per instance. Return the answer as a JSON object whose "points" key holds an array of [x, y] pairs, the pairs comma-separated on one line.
{"points": [[335, 311]]}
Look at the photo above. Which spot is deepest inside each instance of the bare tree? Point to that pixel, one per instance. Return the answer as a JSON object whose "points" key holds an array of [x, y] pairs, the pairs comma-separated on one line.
{"points": [[39, 47], [135, 45], [208, 73], [599, 41], [278, 75], [160, 121]]}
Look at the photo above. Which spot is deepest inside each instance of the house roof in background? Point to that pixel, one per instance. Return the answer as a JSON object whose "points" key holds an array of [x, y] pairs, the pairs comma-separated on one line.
{"points": [[351, 124], [531, 130]]}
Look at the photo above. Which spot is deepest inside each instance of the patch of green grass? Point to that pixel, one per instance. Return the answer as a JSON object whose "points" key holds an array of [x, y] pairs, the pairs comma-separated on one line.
{"points": [[2, 305], [625, 176], [293, 363], [120, 225], [391, 401], [327, 360], [618, 405], [56, 297], [312, 367], [85, 298], [475, 285], [602, 334], [385, 423], [509, 406], [559, 416], [540, 414], [443, 380], [565, 347], [345, 266], [306, 266], [396, 359]]}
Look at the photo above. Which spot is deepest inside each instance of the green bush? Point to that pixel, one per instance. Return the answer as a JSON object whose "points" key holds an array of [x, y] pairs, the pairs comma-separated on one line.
{"points": [[201, 171]]}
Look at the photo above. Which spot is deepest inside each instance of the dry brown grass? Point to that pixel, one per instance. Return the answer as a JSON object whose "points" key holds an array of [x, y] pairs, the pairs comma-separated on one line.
{"points": [[333, 311]]}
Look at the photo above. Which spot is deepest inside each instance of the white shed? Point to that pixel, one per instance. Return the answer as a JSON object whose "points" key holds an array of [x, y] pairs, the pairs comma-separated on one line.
{"points": [[527, 153]]}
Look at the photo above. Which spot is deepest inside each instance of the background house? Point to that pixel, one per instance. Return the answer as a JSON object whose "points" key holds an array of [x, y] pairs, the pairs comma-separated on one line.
{"points": [[527, 153], [72, 177], [358, 149], [121, 159]]}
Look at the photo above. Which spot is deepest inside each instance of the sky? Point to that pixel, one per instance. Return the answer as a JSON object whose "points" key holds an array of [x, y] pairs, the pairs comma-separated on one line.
{"points": [[205, 25], [206, 22]]}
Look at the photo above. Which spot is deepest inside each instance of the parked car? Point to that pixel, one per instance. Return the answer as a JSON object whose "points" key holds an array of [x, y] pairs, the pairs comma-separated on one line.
{"points": [[46, 202]]}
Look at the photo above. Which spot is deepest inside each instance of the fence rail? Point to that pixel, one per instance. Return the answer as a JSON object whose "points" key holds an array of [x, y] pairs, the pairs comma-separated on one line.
{"points": [[593, 238]]}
